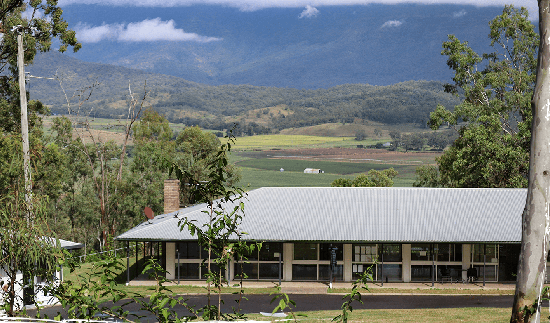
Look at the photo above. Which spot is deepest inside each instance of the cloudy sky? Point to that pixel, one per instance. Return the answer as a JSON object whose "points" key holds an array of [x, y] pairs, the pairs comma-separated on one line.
{"points": [[260, 4], [159, 28]]}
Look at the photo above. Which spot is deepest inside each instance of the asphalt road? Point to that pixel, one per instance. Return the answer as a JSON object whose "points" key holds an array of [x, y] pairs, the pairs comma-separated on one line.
{"points": [[309, 302]]}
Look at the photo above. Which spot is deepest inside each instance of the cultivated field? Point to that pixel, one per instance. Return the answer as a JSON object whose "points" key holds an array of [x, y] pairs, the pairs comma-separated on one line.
{"points": [[262, 168]]}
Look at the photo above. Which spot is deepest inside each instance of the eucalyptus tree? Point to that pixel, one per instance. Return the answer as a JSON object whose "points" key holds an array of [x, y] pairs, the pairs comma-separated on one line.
{"points": [[536, 215], [493, 121]]}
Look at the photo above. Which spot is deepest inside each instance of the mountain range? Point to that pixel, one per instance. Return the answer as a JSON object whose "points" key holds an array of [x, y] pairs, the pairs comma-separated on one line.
{"points": [[367, 44]]}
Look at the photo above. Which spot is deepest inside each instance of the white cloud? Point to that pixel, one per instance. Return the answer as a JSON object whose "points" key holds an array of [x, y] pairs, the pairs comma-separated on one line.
{"points": [[459, 14], [146, 30], [251, 5], [392, 23], [309, 12]]}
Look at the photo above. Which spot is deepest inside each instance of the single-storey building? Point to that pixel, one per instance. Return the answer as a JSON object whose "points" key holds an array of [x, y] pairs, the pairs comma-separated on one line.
{"points": [[405, 234]]}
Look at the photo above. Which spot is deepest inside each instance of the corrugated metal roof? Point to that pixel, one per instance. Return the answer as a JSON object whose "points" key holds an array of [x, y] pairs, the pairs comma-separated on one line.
{"points": [[362, 214]]}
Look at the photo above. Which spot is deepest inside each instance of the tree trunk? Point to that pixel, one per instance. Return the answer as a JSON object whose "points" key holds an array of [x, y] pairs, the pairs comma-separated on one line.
{"points": [[536, 215]]}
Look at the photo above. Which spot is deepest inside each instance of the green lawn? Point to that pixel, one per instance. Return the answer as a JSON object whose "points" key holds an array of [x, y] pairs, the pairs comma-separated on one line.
{"points": [[447, 315]]}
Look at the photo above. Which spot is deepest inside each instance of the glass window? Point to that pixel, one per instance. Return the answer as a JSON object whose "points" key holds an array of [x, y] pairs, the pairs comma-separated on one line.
{"points": [[358, 269], [213, 268], [490, 253], [187, 250], [251, 256], [324, 272], [305, 251], [250, 270], [270, 271], [421, 272], [364, 252], [490, 273], [392, 272], [324, 251], [453, 271], [421, 251], [304, 272], [269, 249], [391, 252], [188, 271]]}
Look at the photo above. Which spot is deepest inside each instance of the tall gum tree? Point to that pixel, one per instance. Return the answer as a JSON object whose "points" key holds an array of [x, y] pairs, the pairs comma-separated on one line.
{"points": [[536, 215]]}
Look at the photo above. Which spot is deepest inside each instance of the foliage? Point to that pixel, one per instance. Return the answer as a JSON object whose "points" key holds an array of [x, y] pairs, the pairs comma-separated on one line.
{"points": [[354, 295], [28, 249], [88, 296], [46, 22], [218, 233], [373, 178], [427, 176], [284, 302], [493, 122], [197, 152]]}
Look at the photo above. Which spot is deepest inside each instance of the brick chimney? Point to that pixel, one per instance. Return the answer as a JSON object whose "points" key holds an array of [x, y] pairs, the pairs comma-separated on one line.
{"points": [[171, 195]]}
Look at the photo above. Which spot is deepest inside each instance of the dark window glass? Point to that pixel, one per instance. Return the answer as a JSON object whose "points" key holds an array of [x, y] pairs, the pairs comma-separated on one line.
{"points": [[457, 249], [508, 258], [443, 251], [270, 271], [490, 272], [324, 251], [187, 250], [391, 252], [453, 271], [305, 251], [421, 272], [268, 250], [213, 268], [188, 271], [391, 272], [304, 272], [252, 255], [250, 270], [324, 272]]}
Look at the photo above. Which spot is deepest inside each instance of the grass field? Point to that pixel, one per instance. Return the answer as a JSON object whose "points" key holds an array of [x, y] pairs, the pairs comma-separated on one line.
{"points": [[447, 315], [265, 172], [265, 142]]}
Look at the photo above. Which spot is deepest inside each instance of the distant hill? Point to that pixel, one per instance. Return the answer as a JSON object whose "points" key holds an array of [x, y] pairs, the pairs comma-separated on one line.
{"points": [[216, 107], [365, 44]]}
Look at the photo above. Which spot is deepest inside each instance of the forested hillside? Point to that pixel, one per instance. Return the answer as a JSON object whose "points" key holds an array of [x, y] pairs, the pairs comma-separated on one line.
{"points": [[215, 106]]}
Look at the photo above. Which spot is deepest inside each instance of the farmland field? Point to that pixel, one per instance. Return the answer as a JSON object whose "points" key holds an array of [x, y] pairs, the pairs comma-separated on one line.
{"points": [[262, 168], [265, 142]]}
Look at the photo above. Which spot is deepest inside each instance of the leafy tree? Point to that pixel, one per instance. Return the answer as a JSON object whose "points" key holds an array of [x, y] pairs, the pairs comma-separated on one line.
{"points": [[24, 245], [195, 151], [153, 154], [47, 23], [493, 121], [373, 178], [396, 139], [427, 176], [413, 141], [360, 135]]}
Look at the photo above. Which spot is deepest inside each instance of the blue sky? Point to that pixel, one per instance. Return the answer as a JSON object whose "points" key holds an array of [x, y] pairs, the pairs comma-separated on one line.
{"points": [[159, 28]]}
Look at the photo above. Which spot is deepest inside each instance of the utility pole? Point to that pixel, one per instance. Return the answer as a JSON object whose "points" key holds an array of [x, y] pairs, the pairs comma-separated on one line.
{"points": [[24, 121]]}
